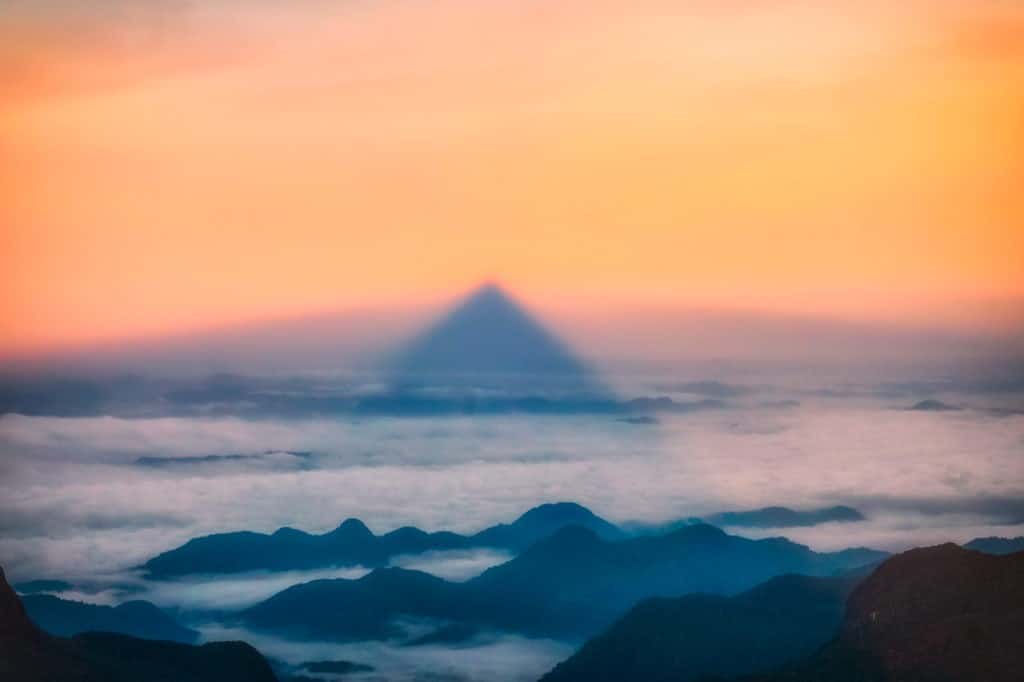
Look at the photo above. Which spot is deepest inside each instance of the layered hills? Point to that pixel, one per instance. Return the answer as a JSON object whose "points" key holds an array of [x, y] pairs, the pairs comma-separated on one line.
{"points": [[137, 618], [937, 614], [352, 543], [27, 654], [569, 585], [700, 635]]}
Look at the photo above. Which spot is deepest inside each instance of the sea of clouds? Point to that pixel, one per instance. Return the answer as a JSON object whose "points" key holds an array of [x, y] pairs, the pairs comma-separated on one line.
{"points": [[88, 498], [105, 493]]}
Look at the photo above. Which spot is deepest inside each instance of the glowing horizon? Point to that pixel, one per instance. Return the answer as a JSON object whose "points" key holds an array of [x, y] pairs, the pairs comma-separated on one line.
{"points": [[172, 170]]}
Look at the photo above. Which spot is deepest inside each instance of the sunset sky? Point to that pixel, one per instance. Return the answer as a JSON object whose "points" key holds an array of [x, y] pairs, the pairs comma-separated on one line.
{"points": [[168, 166]]}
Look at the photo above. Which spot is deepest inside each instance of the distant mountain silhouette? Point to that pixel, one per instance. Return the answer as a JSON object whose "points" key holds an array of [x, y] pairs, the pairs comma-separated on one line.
{"points": [[765, 517], [928, 615], [352, 543], [27, 654], [488, 338], [313, 396], [664, 404], [577, 583], [571, 584], [994, 545], [640, 420], [38, 586], [337, 667], [360, 609], [136, 618], [544, 521], [784, 517], [453, 633], [700, 635], [933, 406]]}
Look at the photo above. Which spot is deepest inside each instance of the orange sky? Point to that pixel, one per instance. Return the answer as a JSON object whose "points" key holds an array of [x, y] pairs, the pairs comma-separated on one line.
{"points": [[172, 166]]}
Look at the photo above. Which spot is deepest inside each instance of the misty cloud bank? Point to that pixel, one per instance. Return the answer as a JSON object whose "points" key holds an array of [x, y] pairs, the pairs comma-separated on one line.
{"points": [[492, 656], [310, 397], [86, 499], [108, 492], [313, 395]]}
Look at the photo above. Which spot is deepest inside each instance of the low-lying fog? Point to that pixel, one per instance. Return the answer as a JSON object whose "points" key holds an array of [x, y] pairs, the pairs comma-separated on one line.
{"points": [[509, 658], [83, 493], [87, 499]]}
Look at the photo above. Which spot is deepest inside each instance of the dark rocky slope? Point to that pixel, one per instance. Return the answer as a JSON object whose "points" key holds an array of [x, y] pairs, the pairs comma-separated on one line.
{"points": [[141, 619], [692, 637], [27, 654], [938, 614]]}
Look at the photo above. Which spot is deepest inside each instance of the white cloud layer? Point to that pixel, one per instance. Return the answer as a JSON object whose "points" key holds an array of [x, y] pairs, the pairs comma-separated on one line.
{"points": [[73, 498]]}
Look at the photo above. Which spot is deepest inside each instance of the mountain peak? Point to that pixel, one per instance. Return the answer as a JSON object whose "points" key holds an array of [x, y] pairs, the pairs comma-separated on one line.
{"points": [[352, 527], [996, 545], [556, 511], [704, 532]]}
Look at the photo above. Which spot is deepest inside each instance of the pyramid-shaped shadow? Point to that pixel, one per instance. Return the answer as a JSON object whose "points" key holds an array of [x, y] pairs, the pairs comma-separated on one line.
{"points": [[488, 340]]}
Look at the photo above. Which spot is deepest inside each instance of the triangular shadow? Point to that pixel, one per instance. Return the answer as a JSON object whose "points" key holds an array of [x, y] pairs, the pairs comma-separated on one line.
{"points": [[489, 341]]}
